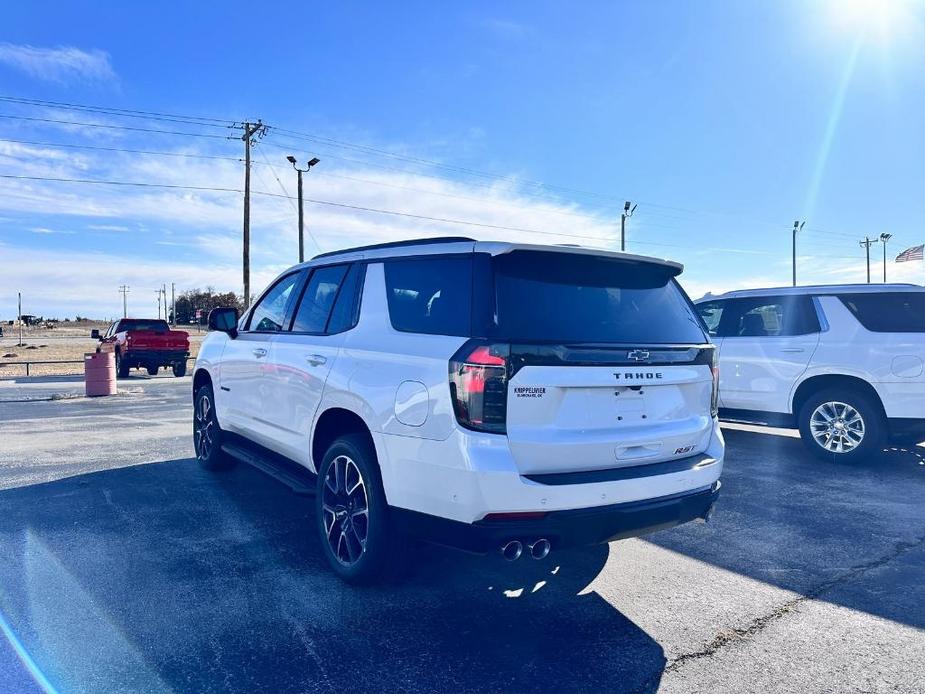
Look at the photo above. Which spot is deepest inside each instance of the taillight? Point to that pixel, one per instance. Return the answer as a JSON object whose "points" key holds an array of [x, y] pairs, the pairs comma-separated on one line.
{"points": [[478, 386], [714, 403]]}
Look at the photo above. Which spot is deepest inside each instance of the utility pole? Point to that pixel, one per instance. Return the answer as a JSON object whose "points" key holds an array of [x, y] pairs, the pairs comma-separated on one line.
{"points": [[173, 304], [311, 162], [158, 292], [124, 290], [867, 244], [19, 299], [251, 130], [797, 227], [884, 237], [627, 212]]}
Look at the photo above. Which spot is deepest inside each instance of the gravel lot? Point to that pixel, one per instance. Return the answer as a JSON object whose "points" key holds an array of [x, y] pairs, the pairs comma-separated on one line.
{"points": [[124, 567]]}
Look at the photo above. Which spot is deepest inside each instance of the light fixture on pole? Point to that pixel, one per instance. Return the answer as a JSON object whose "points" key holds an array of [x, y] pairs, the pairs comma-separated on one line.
{"points": [[884, 237], [627, 212], [311, 162]]}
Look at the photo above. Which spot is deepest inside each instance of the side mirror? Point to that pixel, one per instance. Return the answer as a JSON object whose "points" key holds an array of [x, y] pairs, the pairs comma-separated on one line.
{"points": [[224, 320], [95, 334]]}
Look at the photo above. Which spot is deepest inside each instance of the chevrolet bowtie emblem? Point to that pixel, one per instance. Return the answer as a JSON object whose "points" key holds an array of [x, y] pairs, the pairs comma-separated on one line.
{"points": [[638, 355]]}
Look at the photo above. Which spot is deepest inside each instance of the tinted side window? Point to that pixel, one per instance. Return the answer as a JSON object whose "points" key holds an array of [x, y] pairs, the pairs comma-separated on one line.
{"points": [[893, 312], [712, 314], [318, 298], [346, 307], [770, 317], [270, 314], [430, 295]]}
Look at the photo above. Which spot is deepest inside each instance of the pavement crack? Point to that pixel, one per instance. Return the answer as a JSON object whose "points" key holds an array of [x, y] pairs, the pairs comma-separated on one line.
{"points": [[759, 624]]}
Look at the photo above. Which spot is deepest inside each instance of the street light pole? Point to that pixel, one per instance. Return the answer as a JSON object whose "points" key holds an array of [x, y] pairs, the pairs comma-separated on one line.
{"points": [[627, 212], [311, 162], [797, 227], [884, 237]]}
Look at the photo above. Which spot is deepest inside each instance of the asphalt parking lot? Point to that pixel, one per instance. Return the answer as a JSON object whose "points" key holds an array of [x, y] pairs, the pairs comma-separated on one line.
{"points": [[125, 567]]}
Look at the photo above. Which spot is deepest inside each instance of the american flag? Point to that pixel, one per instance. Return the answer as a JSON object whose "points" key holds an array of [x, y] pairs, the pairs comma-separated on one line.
{"points": [[914, 253]]}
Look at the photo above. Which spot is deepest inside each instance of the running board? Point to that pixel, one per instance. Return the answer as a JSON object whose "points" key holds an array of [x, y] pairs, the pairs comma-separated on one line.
{"points": [[292, 475]]}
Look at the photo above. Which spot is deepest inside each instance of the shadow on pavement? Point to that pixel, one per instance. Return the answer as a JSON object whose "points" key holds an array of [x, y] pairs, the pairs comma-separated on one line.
{"points": [[793, 521], [165, 576]]}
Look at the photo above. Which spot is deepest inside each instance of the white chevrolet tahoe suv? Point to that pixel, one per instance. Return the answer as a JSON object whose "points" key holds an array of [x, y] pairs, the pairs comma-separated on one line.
{"points": [[844, 363], [481, 395]]}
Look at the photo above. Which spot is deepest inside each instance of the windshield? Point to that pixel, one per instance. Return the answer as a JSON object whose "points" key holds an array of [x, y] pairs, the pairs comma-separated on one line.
{"points": [[571, 298]]}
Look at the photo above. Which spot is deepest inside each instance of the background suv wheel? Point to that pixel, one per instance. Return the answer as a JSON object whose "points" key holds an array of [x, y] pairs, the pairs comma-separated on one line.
{"points": [[842, 425], [352, 513]]}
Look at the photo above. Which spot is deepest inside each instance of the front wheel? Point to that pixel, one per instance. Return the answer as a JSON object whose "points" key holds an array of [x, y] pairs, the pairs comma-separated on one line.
{"points": [[352, 514], [152, 370], [207, 434], [842, 426]]}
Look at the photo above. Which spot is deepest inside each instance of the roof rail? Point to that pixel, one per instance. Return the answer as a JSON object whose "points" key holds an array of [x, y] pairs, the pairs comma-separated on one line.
{"points": [[397, 244]]}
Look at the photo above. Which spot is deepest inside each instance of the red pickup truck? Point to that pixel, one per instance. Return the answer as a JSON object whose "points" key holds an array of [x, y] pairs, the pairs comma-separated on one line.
{"points": [[145, 343]]}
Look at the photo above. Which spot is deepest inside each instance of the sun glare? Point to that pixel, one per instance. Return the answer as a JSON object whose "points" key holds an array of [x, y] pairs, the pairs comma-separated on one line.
{"points": [[876, 18]]}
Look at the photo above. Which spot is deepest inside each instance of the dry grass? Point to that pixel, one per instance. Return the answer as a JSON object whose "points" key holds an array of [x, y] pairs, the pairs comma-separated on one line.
{"points": [[59, 344]]}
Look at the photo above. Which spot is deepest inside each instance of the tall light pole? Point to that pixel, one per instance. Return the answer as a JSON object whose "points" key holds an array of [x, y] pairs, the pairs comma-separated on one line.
{"points": [[311, 162], [627, 213], [884, 237], [867, 242], [797, 227]]}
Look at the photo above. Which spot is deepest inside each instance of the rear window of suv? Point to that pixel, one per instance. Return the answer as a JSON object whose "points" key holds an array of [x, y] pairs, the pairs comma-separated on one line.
{"points": [[540, 296], [572, 298], [889, 312]]}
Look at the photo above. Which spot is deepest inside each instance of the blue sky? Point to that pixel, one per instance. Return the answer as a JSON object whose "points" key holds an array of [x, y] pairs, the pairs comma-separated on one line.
{"points": [[724, 121]]}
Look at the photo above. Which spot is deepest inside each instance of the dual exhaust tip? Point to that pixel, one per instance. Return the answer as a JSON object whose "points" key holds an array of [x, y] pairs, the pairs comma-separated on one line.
{"points": [[513, 549]]}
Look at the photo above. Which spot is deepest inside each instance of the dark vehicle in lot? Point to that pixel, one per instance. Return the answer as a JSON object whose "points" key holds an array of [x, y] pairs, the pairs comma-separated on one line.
{"points": [[146, 343]]}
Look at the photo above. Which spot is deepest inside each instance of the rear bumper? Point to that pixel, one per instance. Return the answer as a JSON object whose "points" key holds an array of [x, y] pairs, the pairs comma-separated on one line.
{"points": [[156, 357], [566, 528]]}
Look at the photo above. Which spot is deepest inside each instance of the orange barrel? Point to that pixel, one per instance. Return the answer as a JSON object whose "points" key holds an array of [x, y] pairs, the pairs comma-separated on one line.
{"points": [[100, 373]]}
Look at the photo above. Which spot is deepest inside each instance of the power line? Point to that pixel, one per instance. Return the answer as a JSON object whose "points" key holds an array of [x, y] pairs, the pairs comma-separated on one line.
{"points": [[112, 127], [375, 210], [138, 184], [123, 112], [188, 155], [352, 146]]}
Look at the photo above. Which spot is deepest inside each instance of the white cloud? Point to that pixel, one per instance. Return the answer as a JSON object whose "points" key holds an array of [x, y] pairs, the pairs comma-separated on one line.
{"points": [[46, 230], [60, 64]]}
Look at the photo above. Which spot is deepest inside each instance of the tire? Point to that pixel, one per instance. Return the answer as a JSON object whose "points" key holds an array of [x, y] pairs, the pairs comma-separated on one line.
{"points": [[207, 434], [152, 370], [354, 527], [179, 369], [843, 425], [121, 366]]}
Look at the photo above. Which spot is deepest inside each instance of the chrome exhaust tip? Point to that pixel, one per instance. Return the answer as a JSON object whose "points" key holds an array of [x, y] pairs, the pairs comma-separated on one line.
{"points": [[512, 550], [540, 549]]}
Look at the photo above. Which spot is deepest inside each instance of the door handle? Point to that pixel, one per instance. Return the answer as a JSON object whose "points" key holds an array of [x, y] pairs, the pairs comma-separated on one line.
{"points": [[792, 349], [316, 359], [260, 353]]}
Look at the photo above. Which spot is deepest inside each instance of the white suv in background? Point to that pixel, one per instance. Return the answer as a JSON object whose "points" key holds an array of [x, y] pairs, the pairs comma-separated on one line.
{"points": [[478, 394], [844, 363]]}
